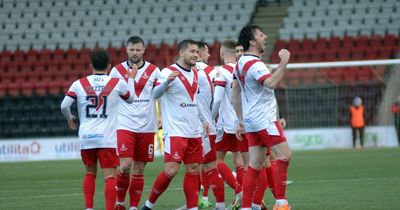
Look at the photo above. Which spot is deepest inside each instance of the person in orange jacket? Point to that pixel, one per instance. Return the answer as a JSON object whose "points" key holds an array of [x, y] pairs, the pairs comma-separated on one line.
{"points": [[357, 120]]}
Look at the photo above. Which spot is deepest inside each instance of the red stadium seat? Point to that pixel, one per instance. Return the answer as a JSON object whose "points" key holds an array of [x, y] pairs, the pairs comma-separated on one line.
{"points": [[14, 89], [55, 87], [41, 88], [27, 88]]}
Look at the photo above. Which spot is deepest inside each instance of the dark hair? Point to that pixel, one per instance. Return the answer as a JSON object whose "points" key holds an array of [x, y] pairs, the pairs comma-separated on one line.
{"points": [[184, 44], [201, 44], [229, 44], [247, 34], [135, 40], [100, 59]]}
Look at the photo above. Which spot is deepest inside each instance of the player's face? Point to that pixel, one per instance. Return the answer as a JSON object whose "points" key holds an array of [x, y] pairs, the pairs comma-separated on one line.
{"points": [[204, 54], [239, 51], [260, 39], [190, 55], [135, 52]]}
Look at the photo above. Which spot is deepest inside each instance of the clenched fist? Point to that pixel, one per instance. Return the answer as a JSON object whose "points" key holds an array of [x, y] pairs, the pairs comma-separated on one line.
{"points": [[284, 55]]}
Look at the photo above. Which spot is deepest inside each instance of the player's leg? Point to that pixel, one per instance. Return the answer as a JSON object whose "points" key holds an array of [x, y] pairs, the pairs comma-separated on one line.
{"points": [[89, 159], [108, 162], [228, 143], [137, 183], [256, 160], [261, 186], [125, 142], [162, 182], [217, 184], [210, 168], [144, 152], [110, 193], [280, 147], [173, 156], [239, 166], [244, 151], [192, 159]]}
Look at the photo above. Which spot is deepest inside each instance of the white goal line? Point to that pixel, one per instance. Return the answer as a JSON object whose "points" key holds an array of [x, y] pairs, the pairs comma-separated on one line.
{"points": [[340, 64]]}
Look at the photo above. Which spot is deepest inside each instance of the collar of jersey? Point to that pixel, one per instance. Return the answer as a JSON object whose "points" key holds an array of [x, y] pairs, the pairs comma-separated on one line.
{"points": [[127, 63], [188, 70], [252, 55]]}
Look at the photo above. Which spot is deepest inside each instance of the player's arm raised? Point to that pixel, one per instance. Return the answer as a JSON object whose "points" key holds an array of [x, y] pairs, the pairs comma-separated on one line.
{"points": [[160, 89], [273, 81]]}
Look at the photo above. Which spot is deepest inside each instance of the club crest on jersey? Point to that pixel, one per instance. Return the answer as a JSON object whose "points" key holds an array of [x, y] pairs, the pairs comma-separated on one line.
{"points": [[145, 76], [123, 148], [126, 76], [182, 78], [176, 156]]}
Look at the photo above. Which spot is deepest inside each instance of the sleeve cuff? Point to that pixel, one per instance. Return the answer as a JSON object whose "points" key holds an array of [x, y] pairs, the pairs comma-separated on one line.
{"points": [[71, 94], [261, 79], [220, 83], [126, 96]]}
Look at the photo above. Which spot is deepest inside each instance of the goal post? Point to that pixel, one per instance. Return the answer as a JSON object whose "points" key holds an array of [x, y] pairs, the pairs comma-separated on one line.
{"points": [[319, 94]]}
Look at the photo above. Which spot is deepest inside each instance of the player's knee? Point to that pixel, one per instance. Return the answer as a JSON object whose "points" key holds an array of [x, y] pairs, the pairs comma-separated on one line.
{"points": [[138, 169], [171, 172], [124, 167]]}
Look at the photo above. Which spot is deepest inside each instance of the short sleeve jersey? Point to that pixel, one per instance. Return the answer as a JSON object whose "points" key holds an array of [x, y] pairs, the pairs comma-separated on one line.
{"points": [[179, 103], [259, 103], [140, 116], [227, 120], [97, 99], [206, 90]]}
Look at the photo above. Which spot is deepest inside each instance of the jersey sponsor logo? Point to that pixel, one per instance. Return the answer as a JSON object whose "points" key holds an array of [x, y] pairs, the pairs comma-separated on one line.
{"points": [[93, 136], [184, 105], [123, 148], [141, 101]]}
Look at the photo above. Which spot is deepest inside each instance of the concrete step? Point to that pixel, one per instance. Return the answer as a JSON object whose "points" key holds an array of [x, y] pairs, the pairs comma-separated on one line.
{"points": [[270, 19]]}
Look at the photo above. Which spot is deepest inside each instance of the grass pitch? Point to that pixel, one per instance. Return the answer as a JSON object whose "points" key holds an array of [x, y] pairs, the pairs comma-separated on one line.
{"points": [[328, 179]]}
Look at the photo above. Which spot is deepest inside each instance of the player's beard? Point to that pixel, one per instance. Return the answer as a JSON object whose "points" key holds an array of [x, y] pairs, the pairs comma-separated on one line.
{"points": [[135, 62], [189, 62]]}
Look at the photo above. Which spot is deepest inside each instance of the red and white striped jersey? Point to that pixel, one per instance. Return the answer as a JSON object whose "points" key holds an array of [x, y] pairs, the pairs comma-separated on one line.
{"points": [[97, 99], [140, 116], [227, 119], [258, 102], [179, 103], [206, 91]]}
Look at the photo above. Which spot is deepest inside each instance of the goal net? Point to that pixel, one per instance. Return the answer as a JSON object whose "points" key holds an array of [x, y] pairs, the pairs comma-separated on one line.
{"points": [[319, 94]]}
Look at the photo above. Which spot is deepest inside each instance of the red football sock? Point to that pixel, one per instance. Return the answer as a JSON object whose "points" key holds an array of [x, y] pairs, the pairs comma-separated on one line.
{"points": [[190, 187], [262, 184], [160, 185], [228, 177], [249, 185], [89, 184], [122, 186], [110, 193], [280, 177], [205, 181], [270, 176], [136, 189], [217, 185], [240, 174]]}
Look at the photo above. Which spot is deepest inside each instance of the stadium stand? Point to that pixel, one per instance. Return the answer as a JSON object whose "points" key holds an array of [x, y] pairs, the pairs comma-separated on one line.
{"points": [[46, 45]]}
